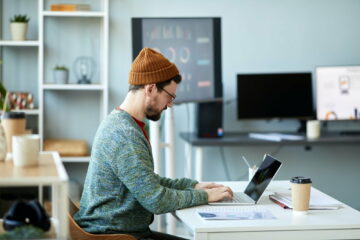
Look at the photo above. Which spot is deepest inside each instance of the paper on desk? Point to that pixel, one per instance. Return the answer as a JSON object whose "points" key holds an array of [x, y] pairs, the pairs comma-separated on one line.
{"points": [[235, 214], [276, 137]]}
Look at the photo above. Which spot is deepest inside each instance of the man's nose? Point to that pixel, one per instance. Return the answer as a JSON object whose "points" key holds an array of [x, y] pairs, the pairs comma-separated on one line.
{"points": [[170, 104]]}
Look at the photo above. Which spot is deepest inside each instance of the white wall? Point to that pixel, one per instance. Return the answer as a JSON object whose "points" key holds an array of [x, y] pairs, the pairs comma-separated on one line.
{"points": [[259, 36]]}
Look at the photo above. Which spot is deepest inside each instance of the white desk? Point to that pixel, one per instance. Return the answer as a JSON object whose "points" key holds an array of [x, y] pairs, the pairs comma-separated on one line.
{"points": [[343, 223], [49, 172]]}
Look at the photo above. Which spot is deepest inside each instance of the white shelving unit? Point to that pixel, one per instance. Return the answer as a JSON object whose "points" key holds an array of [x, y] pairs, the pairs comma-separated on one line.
{"points": [[85, 87], [98, 21], [75, 14], [20, 47], [100, 87], [9, 43]]}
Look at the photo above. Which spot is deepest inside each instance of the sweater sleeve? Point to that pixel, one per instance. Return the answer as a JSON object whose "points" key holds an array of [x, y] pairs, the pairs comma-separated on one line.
{"points": [[134, 167], [180, 183]]}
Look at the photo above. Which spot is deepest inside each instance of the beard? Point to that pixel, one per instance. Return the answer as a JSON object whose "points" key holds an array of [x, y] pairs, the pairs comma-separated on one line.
{"points": [[153, 114]]}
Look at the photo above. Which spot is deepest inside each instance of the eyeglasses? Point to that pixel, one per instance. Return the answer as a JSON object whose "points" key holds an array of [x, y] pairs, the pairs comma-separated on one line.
{"points": [[173, 96]]}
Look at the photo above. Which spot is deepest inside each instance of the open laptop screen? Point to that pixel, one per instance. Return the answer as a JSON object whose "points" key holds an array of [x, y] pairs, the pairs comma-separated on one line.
{"points": [[262, 177]]}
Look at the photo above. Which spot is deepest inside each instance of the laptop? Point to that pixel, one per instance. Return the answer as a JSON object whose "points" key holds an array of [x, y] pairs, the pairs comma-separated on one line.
{"points": [[256, 187]]}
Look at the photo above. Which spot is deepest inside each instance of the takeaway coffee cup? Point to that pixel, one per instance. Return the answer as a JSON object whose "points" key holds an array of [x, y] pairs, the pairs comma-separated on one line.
{"points": [[26, 149], [300, 194], [13, 124], [313, 129]]}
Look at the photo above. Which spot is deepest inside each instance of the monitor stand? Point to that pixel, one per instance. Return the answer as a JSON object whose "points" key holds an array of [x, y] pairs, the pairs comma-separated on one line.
{"points": [[302, 127]]}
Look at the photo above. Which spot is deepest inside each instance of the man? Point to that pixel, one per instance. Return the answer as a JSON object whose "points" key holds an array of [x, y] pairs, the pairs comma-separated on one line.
{"points": [[121, 191]]}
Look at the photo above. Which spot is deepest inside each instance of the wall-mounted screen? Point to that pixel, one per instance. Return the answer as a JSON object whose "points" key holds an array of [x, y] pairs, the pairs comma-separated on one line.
{"points": [[275, 95], [193, 44], [338, 92]]}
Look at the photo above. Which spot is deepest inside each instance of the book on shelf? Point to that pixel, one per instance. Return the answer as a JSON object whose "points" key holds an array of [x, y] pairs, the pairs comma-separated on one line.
{"points": [[318, 201], [70, 7]]}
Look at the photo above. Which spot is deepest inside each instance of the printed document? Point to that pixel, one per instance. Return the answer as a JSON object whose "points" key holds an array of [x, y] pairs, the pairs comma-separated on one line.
{"points": [[234, 213]]}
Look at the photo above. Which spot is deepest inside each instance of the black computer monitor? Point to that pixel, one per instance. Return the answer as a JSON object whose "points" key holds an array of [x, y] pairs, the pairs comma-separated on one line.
{"points": [[275, 96], [193, 44], [338, 92]]}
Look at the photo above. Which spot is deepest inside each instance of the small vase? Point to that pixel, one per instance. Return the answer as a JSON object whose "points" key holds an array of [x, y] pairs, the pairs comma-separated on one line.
{"points": [[18, 31]]}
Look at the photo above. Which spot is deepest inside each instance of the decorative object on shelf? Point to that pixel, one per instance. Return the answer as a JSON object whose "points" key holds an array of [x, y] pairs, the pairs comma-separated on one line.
{"points": [[84, 68], [61, 74], [67, 147], [18, 27], [21, 100], [70, 7]]}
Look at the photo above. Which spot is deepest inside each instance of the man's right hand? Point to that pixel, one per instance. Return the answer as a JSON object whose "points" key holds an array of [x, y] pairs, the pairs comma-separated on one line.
{"points": [[219, 193]]}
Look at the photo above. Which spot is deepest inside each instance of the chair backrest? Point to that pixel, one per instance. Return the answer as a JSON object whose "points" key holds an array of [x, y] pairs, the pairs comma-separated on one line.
{"points": [[76, 232]]}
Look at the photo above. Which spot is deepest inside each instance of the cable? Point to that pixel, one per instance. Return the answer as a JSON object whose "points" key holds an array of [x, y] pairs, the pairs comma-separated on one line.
{"points": [[188, 120], [229, 101], [276, 151], [226, 168]]}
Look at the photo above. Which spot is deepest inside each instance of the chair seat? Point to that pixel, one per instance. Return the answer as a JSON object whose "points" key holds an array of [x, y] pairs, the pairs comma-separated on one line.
{"points": [[76, 232]]}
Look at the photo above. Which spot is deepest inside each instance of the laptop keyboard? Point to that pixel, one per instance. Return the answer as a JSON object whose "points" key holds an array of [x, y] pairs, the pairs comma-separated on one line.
{"points": [[238, 197]]}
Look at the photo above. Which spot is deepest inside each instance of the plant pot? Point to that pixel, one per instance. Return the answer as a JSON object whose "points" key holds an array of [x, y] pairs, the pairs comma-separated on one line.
{"points": [[18, 31], [61, 76]]}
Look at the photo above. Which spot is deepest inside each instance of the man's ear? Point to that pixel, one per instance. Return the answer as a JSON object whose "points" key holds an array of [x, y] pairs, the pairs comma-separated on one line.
{"points": [[149, 89]]}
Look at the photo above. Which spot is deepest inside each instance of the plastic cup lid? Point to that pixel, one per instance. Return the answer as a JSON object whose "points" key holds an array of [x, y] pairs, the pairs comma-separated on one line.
{"points": [[300, 179], [13, 115]]}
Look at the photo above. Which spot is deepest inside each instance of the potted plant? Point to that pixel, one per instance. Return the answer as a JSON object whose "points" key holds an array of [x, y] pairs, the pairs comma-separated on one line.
{"points": [[61, 74], [3, 145], [18, 27]]}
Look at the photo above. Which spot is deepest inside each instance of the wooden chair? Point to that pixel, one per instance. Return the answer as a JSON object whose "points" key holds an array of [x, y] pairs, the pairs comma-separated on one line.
{"points": [[76, 232]]}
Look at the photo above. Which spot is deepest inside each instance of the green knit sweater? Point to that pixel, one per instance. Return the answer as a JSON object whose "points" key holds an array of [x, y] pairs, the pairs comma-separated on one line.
{"points": [[121, 191]]}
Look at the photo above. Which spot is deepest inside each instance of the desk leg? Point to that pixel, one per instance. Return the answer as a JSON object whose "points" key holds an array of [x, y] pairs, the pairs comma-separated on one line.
{"points": [[41, 194], [63, 209], [199, 163], [188, 159], [55, 201]]}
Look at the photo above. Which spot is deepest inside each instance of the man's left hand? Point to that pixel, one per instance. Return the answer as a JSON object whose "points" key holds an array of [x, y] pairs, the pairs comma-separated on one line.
{"points": [[207, 185]]}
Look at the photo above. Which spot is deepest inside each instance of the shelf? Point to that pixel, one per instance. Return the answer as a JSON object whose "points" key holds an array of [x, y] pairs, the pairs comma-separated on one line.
{"points": [[10, 43], [28, 111], [76, 159], [73, 87], [73, 14]]}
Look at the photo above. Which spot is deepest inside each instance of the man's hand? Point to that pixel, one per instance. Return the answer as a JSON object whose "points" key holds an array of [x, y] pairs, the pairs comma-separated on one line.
{"points": [[207, 185], [219, 193]]}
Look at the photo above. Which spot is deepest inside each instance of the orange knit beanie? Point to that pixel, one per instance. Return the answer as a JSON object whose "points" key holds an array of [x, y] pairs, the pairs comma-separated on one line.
{"points": [[151, 67]]}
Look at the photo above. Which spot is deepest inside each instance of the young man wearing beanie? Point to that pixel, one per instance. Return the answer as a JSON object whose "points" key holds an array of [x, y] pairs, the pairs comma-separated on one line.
{"points": [[121, 192]]}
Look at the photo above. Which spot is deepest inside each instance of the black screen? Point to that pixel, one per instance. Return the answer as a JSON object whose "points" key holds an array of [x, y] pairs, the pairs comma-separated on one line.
{"points": [[262, 177], [193, 44], [275, 95]]}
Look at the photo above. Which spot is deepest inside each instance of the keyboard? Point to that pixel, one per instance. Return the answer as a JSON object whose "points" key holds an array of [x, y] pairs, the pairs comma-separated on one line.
{"points": [[239, 197]]}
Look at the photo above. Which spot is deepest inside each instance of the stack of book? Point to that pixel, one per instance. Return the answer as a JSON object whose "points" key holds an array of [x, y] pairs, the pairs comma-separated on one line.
{"points": [[318, 201], [70, 7]]}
